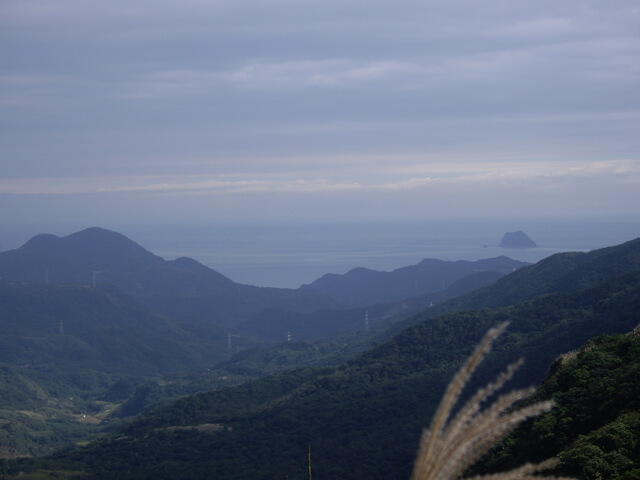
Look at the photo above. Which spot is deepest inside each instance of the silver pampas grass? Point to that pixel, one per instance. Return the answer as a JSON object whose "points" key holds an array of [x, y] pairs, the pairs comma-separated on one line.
{"points": [[449, 447]]}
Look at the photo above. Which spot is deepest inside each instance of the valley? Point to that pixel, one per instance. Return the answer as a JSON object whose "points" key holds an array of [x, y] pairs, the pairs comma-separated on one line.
{"points": [[97, 370]]}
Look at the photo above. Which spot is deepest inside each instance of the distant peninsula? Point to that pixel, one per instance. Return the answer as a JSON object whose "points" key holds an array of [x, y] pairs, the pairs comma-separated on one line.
{"points": [[517, 239]]}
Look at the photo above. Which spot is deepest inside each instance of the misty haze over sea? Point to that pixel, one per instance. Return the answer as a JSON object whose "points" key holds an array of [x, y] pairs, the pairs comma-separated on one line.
{"points": [[292, 255]]}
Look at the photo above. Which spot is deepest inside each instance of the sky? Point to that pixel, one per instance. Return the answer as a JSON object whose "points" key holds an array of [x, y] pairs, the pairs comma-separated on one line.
{"points": [[236, 112]]}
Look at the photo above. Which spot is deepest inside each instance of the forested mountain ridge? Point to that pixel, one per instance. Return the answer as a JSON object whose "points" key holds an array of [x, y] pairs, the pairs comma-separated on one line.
{"points": [[67, 331], [363, 286], [70, 338], [181, 288], [275, 323], [363, 419], [257, 362], [386, 386], [562, 272], [199, 298]]}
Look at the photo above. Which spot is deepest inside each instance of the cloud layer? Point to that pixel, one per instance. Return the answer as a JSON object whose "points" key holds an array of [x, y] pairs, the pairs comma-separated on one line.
{"points": [[287, 104]]}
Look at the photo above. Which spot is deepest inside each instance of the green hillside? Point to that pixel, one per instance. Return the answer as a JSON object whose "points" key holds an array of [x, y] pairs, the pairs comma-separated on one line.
{"points": [[595, 427], [98, 328], [76, 360], [67, 352], [363, 418]]}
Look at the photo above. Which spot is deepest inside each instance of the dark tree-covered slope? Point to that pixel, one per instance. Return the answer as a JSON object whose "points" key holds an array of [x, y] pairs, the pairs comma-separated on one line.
{"points": [[362, 419], [383, 391], [98, 328], [595, 427], [67, 352], [562, 272]]}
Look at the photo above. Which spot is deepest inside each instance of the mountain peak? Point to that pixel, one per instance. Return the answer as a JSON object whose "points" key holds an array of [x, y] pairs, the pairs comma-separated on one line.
{"points": [[101, 238], [95, 232], [93, 235], [100, 245], [39, 242], [87, 256]]}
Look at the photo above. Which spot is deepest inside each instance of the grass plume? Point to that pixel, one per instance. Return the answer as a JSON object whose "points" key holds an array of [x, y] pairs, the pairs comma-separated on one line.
{"points": [[449, 447]]}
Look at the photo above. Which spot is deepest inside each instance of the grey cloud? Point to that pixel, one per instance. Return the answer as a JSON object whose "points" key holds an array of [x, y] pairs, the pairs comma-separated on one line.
{"points": [[119, 89]]}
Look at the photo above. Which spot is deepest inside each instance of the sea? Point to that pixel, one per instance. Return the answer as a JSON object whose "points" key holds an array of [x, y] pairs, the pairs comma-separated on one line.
{"points": [[288, 256]]}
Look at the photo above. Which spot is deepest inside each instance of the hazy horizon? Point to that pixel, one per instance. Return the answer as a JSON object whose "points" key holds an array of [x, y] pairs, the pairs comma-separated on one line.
{"points": [[289, 255]]}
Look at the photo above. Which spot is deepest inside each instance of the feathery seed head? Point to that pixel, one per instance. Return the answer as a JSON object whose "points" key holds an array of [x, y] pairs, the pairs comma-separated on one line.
{"points": [[448, 449]]}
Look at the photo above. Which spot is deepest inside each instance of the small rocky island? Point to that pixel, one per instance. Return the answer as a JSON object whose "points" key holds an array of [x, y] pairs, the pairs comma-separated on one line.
{"points": [[517, 239]]}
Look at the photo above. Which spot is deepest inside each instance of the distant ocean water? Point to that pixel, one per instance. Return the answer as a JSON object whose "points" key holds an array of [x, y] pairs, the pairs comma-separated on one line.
{"points": [[289, 256]]}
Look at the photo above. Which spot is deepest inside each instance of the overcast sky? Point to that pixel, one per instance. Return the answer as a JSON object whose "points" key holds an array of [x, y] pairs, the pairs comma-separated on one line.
{"points": [[216, 111]]}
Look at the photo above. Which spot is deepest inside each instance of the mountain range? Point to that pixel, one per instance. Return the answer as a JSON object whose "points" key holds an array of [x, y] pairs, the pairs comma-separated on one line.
{"points": [[182, 288], [82, 316], [362, 418], [203, 300], [362, 286], [360, 398]]}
